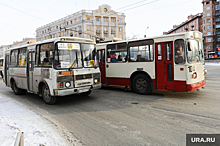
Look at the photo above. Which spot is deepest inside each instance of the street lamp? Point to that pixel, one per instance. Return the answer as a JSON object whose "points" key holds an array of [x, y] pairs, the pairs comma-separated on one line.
{"points": [[145, 31]]}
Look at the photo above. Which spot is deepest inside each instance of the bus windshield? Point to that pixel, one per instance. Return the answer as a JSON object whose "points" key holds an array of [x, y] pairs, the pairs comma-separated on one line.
{"points": [[67, 55], [193, 51], [89, 55]]}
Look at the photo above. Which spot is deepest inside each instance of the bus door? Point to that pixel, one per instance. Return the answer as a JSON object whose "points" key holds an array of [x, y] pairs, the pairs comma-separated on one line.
{"points": [[6, 70], [164, 66], [101, 58], [30, 70]]}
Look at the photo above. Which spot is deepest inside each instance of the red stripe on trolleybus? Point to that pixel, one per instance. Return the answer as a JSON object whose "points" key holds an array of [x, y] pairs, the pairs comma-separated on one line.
{"points": [[193, 87]]}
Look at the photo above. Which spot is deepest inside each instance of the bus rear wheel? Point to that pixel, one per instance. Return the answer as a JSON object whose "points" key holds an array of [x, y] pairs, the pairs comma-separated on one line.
{"points": [[16, 90], [48, 99], [141, 84]]}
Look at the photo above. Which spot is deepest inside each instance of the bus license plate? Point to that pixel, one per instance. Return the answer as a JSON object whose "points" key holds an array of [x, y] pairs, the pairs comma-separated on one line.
{"points": [[83, 90]]}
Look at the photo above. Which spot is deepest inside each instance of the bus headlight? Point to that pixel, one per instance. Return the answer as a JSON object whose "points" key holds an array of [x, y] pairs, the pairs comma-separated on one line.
{"points": [[95, 81], [67, 84]]}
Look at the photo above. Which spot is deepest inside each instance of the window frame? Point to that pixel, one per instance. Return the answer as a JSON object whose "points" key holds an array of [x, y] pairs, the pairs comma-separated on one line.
{"points": [[126, 47]]}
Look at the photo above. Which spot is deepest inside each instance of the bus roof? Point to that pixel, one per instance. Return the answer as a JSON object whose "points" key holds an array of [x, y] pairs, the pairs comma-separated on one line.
{"points": [[153, 37], [54, 40]]}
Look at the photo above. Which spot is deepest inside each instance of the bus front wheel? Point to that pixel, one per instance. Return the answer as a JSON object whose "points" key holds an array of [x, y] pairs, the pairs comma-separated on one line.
{"points": [[141, 84], [16, 90], [46, 96]]}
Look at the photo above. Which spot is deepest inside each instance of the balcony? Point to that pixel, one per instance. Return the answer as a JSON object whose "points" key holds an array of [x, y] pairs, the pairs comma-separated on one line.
{"points": [[113, 31], [98, 31], [105, 31]]}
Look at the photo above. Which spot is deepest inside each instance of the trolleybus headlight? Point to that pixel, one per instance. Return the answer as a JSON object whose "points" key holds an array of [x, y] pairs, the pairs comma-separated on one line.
{"points": [[95, 81], [194, 75], [67, 84]]}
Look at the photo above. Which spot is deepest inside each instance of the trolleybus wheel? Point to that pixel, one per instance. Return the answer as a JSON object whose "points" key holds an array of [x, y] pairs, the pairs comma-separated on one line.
{"points": [[46, 96], [1, 74], [85, 93], [141, 84], [16, 90]]}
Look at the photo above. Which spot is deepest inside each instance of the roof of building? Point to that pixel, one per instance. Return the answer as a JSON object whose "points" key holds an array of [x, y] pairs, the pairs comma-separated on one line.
{"points": [[182, 24]]}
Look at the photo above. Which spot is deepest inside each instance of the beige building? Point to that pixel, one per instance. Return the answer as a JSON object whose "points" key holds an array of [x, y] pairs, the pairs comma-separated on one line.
{"points": [[103, 22], [2, 50]]}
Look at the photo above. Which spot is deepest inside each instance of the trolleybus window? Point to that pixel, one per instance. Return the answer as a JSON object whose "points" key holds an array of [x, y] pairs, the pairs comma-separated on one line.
{"points": [[179, 51], [89, 55], [159, 52], [22, 56], [117, 53], [141, 51], [169, 53], [14, 57], [67, 55], [201, 50], [193, 51]]}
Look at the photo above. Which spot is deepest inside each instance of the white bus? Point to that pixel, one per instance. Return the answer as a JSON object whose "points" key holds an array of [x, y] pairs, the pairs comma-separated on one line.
{"points": [[55, 67], [170, 62], [1, 66]]}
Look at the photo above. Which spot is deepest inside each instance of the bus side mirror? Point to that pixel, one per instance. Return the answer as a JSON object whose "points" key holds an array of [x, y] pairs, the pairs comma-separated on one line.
{"points": [[188, 44]]}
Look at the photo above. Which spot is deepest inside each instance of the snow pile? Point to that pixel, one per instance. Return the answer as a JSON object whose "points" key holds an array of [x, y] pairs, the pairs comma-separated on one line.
{"points": [[14, 117]]}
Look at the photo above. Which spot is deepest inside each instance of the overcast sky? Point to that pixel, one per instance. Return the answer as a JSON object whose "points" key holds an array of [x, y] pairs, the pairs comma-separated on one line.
{"points": [[20, 18]]}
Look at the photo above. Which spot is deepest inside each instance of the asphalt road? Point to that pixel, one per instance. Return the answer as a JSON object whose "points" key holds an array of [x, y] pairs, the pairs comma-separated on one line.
{"points": [[111, 116]]}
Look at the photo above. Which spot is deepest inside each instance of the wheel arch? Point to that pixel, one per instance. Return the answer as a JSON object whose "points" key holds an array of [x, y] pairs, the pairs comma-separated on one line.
{"points": [[141, 72], [40, 86]]}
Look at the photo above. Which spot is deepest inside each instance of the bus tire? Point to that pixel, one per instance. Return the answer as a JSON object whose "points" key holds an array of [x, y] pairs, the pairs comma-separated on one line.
{"points": [[17, 91], [85, 93], [1, 74], [24, 91], [46, 96], [141, 84]]}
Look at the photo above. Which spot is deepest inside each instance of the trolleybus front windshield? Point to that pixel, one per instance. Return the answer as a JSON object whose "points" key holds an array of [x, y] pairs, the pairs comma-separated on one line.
{"points": [[193, 51]]}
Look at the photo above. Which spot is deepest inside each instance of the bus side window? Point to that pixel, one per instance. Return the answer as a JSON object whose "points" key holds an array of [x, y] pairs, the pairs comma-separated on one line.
{"points": [[46, 54], [14, 57], [22, 56]]}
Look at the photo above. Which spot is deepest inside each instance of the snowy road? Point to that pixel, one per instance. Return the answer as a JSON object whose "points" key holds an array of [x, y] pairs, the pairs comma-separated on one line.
{"points": [[15, 117]]}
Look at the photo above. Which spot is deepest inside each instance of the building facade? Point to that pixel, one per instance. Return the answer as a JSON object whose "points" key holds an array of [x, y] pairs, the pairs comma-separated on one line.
{"points": [[211, 28], [102, 22], [2, 50], [194, 22]]}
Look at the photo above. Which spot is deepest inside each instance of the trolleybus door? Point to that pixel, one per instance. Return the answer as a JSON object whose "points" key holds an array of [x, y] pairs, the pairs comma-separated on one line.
{"points": [[164, 65], [30, 70], [101, 55]]}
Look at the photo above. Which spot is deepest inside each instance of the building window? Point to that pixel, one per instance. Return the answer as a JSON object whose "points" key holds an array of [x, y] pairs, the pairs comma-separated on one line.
{"points": [[208, 20], [119, 28], [113, 35], [208, 33], [88, 18], [98, 34], [97, 28], [97, 19], [209, 27], [195, 22], [80, 18], [217, 26], [120, 36], [208, 8], [81, 35], [112, 20], [209, 40], [217, 13], [71, 22], [105, 29], [75, 35], [75, 20], [217, 7], [67, 31], [208, 14], [196, 27], [119, 20], [105, 35], [104, 19], [88, 28], [217, 19], [89, 36]]}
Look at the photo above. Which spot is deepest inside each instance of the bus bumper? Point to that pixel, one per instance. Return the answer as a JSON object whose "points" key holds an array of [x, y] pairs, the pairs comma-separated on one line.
{"points": [[71, 91], [193, 87]]}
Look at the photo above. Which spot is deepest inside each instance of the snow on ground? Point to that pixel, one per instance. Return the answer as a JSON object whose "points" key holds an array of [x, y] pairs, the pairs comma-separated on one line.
{"points": [[15, 117], [211, 63]]}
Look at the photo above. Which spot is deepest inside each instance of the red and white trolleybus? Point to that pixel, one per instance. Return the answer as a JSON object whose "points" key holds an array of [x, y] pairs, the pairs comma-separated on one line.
{"points": [[170, 62]]}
